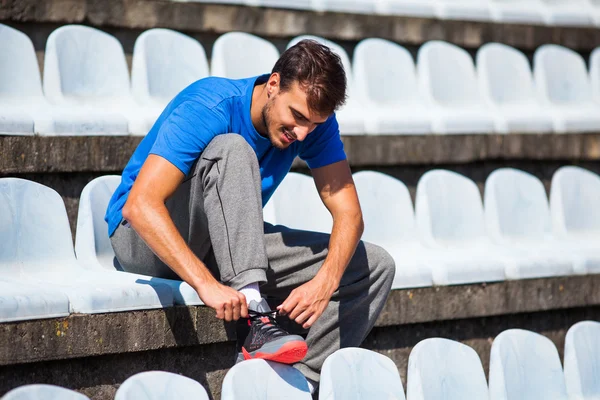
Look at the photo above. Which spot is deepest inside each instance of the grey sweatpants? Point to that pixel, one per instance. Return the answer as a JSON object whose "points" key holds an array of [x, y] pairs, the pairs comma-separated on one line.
{"points": [[218, 211]]}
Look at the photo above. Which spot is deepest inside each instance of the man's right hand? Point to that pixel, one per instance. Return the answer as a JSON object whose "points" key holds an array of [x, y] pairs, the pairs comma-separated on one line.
{"points": [[229, 304]]}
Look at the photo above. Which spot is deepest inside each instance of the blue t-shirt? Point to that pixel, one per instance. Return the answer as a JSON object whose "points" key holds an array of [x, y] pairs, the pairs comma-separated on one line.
{"points": [[215, 106]]}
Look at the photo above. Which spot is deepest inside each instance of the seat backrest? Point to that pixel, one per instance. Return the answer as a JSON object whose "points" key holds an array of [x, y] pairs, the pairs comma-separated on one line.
{"points": [[296, 204], [446, 74], [525, 365], [92, 243], [561, 76], [158, 385], [164, 63], [582, 360], [84, 64], [387, 208], [574, 195], [444, 369], [516, 206], [238, 55], [19, 71], [595, 71], [259, 379], [354, 373], [43, 392], [384, 73], [504, 74], [34, 227], [448, 208]]}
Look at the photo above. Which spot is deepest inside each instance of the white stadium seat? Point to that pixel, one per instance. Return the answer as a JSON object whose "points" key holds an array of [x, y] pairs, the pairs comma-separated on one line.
{"points": [[414, 8], [164, 63], [234, 56], [394, 107], [595, 73], [20, 302], [390, 223], [355, 6], [568, 12], [263, 380], [297, 205], [595, 11], [450, 222], [563, 83], [517, 218], [465, 10], [444, 369], [525, 365], [290, 4], [92, 244], [506, 83], [517, 11], [351, 115], [448, 80], [582, 360], [160, 385], [574, 195], [43, 392], [355, 374], [39, 251]]}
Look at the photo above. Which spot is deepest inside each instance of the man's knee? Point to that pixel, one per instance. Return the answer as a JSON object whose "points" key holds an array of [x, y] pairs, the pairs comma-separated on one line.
{"points": [[233, 145], [382, 263]]}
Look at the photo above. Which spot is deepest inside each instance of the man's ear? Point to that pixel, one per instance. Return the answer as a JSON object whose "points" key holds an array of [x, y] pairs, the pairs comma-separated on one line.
{"points": [[273, 84]]}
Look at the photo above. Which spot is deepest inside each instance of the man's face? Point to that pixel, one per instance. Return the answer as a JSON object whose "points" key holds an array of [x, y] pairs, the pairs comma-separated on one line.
{"points": [[287, 117]]}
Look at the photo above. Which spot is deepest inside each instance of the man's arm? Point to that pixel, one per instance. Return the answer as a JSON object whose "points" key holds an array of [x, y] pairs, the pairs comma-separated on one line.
{"points": [[146, 212], [334, 182]]}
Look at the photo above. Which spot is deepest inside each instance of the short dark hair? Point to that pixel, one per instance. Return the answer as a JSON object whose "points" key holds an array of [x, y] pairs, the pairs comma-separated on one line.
{"points": [[318, 70]]}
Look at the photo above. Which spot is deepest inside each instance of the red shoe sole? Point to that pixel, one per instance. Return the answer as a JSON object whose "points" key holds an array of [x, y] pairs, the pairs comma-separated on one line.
{"points": [[289, 353]]}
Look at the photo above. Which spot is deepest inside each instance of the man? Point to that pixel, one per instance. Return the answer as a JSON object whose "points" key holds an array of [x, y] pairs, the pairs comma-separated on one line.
{"points": [[190, 204]]}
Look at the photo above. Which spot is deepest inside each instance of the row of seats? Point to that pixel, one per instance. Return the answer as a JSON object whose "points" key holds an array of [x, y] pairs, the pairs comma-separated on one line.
{"points": [[524, 365], [87, 89], [449, 238], [549, 12]]}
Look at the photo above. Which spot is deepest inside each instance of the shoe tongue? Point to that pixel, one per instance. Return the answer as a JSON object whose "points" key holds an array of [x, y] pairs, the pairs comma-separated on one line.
{"points": [[262, 307]]}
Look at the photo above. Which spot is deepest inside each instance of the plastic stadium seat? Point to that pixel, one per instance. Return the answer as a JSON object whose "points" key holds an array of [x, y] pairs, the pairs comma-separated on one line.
{"points": [[234, 56], [415, 8], [43, 392], [466, 10], [595, 11], [395, 107], [595, 73], [160, 385], [393, 226], [450, 222], [39, 251], [447, 77], [445, 369], [506, 83], [574, 195], [85, 72], [354, 373], [356, 6], [582, 360], [517, 11], [568, 12], [351, 115], [164, 63], [259, 380], [20, 301], [525, 365], [517, 217], [564, 85], [92, 244], [297, 204]]}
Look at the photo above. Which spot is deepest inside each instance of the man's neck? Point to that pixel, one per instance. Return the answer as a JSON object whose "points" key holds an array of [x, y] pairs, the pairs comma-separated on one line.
{"points": [[259, 99]]}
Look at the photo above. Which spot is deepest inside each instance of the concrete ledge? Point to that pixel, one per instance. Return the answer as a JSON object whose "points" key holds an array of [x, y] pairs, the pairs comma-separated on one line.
{"points": [[211, 18], [79, 336], [62, 154]]}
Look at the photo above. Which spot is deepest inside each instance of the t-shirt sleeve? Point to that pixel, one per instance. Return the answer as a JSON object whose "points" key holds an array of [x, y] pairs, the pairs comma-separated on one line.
{"points": [[324, 145], [186, 132]]}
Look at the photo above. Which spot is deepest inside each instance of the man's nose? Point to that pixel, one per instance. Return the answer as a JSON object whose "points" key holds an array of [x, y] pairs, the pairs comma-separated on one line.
{"points": [[301, 132]]}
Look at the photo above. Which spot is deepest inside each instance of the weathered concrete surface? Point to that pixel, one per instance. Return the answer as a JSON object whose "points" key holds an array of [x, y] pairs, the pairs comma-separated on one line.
{"points": [[198, 17], [61, 154]]}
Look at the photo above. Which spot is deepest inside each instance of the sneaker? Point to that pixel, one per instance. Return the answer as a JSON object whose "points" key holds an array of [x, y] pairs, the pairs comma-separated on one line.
{"points": [[265, 339]]}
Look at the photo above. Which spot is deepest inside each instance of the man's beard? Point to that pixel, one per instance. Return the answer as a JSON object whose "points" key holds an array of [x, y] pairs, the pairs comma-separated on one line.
{"points": [[266, 120]]}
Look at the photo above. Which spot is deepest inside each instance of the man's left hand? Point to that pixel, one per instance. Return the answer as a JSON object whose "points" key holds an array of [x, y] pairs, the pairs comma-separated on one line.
{"points": [[306, 303]]}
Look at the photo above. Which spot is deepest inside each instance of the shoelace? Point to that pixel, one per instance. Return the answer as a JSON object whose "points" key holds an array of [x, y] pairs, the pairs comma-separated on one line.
{"points": [[270, 328]]}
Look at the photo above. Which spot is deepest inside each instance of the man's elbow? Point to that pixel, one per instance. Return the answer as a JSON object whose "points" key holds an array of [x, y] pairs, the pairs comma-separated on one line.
{"points": [[131, 210], [360, 224]]}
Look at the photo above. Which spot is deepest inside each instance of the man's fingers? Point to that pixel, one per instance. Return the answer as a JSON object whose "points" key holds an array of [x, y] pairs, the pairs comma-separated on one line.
{"points": [[235, 305], [243, 306], [288, 305], [220, 312], [228, 312], [310, 321], [300, 319]]}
